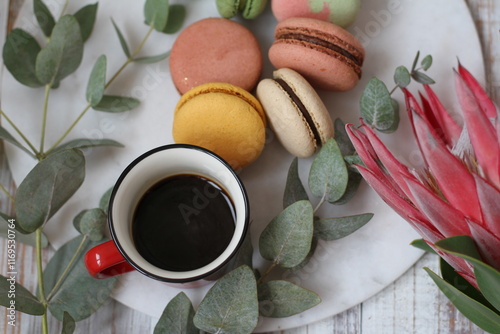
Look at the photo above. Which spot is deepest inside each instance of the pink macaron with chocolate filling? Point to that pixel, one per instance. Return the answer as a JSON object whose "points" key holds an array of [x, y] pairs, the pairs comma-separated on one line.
{"points": [[328, 56], [215, 50]]}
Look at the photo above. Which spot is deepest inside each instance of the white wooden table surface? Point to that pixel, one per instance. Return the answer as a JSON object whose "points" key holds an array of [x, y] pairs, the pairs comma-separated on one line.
{"points": [[412, 304]]}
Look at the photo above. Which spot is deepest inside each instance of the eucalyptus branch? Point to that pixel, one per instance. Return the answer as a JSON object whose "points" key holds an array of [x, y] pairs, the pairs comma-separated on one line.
{"points": [[41, 288], [67, 269], [9, 195], [320, 203], [267, 272], [44, 117], [26, 140]]}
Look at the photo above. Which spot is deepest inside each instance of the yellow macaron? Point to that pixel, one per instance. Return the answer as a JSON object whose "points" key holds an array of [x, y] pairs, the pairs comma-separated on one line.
{"points": [[224, 119]]}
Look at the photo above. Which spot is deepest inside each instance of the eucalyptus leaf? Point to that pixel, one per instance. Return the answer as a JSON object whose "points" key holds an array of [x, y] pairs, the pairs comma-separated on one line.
{"points": [[17, 297], [10, 233], [244, 256], [112, 103], [44, 17], [97, 81], [426, 62], [68, 324], [156, 13], [328, 176], [286, 240], [177, 317], [63, 54], [479, 314], [80, 294], [47, 187], [394, 119], [307, 259], [5, 135], [231, 305], [86, 19], [279, 299], [176, 17], [19, 56], [422, 78], [354, 180], [104, 201], [92, 223], [421, 244], [340, 227], [17, 227], [376, 106], [342, 138], [402, 76], [84, 143], [123, 42], [352, 160], [415, 61], [152, 59], [294, 189]]}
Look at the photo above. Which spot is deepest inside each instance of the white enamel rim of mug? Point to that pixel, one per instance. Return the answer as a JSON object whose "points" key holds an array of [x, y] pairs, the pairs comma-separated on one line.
{"points": [[158, 164]]}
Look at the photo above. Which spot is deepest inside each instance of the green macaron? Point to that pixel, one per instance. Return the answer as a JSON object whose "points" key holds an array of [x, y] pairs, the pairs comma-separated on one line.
{"points": [[249, 9]]}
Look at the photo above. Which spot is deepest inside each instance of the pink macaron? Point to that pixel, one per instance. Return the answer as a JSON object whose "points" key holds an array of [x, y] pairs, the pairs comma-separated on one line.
{"points": [[215, 50], [328, 56]]}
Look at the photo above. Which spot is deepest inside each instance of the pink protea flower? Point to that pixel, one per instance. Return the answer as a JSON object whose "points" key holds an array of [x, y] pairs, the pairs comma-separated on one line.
{"points": [[458, 191]]}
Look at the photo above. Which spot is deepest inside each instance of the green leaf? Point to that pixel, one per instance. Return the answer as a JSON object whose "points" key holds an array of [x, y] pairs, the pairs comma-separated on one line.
{"points": [[479, 314], [112, 103], [328, 174], [244, 256], [156, 13], [177, 317], [376, 106], [5, 135], [104, 201], [152, 59], [9, 231], [354, 180], [305, 262], [44, 17], [19, 55], [426, 62], [231, 305], [68, 324], [415, 62], [15, 296], [97, 81], [279, 299], [459, 245], [80, 294], [340, 227], [86, 143], [395, 118], [352, 160], [294, 190], [123, 42], [286, 240], [421, 244], [422, 78], [63, 54], [92, 223], [47, 187], [342, 138], [402, 76], [176, 17], [86, 19]]}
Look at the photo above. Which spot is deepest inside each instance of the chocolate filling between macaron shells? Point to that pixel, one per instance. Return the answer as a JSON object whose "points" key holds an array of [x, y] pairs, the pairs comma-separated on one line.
{"points": [[302, 108], [317, 38]]}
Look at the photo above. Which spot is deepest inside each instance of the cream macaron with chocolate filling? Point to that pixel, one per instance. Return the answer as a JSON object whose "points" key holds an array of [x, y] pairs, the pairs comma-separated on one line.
{"points": [[295, 111]]}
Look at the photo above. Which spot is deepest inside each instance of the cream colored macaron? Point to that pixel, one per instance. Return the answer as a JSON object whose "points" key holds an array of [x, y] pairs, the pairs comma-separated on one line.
{"points": [[295, 112]]}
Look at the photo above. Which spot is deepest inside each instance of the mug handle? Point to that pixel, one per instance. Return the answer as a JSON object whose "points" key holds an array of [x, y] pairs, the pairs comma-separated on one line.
{"points": [[105, 260]]}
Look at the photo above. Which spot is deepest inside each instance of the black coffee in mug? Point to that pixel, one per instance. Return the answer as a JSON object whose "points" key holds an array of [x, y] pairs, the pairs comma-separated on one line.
{"points": [[183, 222]]}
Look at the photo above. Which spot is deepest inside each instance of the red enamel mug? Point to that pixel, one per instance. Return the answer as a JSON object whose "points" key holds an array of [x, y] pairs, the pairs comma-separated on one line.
{"points": [[123, 253]]}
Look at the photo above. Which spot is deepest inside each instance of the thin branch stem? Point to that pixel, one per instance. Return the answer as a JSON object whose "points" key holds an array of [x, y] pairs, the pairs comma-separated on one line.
{"points": [[321, 201], [264, 275], [9, 195], [41, 288], [67, 269], [44, 117], [26, 140]]}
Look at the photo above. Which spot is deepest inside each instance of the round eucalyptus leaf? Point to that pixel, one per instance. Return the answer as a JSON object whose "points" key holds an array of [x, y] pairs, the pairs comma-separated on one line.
{"points": [[340, 227], [376, 106], [86, 18], [294, 189], [97, 81], [44, 17], [93, 223], [402, 76], [24, 301], [177, 317]]}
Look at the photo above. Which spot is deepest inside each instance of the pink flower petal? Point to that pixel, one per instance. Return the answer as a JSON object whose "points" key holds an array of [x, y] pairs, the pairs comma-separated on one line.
{"points": [[487, 243], [482, 98], [449, 221], [454, 180], [482, 133], [489, 199]]}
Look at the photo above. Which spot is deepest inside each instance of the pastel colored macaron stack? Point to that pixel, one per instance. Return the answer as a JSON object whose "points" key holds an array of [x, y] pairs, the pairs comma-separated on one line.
{"points": [[249, 9], [341, 12], [295, 112], [223, 118]]}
